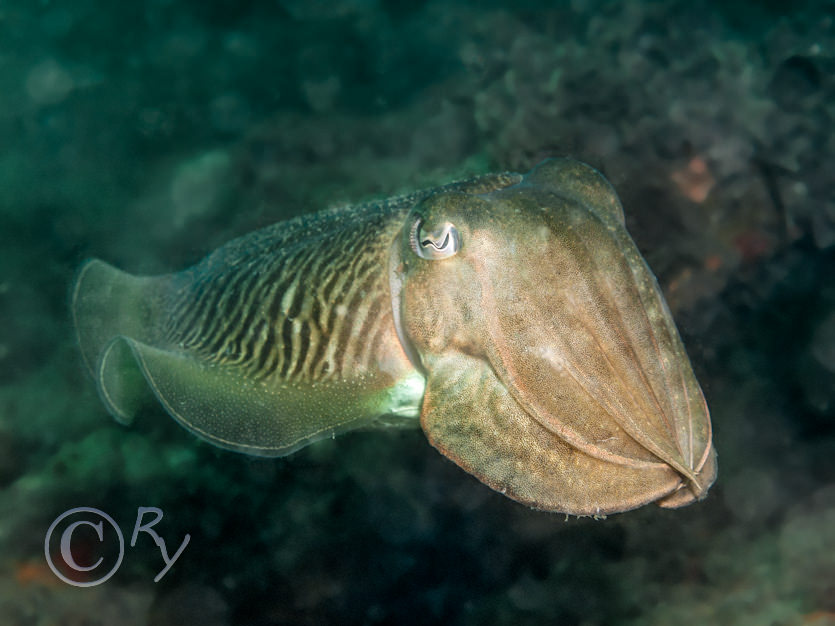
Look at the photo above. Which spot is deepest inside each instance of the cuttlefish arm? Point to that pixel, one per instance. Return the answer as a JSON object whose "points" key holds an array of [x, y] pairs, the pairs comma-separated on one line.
{"points": [[512, 315], [554, 370]]}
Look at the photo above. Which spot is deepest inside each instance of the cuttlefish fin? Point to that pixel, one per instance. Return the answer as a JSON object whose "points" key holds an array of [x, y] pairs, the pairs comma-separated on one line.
{"points": [[123, 343], [108, 304], [471, 418]]}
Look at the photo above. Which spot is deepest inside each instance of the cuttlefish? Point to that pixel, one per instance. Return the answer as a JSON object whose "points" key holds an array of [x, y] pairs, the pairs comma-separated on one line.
{"points": [[511, 316]]}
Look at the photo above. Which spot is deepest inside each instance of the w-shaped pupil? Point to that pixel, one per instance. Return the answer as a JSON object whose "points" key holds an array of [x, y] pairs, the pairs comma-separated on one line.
{"points": [[428, 242]]}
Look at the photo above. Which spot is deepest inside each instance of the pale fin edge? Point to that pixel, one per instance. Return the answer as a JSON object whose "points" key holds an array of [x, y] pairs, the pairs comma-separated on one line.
{"points": [[226, 409]]}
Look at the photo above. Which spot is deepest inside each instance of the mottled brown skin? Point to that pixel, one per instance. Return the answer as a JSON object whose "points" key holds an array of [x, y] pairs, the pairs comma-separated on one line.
{"points": [[554, 371], [534, 345]]}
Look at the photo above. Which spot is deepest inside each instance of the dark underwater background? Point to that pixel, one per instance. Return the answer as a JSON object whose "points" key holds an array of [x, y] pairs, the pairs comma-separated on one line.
{"points": [[148, 133]]}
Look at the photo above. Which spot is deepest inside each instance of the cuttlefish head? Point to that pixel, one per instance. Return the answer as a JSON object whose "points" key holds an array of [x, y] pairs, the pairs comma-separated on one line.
{"points": [[555, 373]]}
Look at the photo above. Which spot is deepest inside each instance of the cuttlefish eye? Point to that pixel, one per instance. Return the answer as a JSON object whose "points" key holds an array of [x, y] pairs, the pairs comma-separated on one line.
{"points": [[437, 243]]}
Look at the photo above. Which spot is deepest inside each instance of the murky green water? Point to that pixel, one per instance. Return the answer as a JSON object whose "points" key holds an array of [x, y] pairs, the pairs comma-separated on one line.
{"points": [[148, 134]]}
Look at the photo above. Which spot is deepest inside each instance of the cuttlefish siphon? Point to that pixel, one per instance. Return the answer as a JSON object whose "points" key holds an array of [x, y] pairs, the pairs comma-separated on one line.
{"points": [[511, 316]]}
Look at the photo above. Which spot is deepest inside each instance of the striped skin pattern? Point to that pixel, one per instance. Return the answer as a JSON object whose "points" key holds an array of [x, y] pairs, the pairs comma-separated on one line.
{"points": [[306, 300], [513, 315], [305, 312]]}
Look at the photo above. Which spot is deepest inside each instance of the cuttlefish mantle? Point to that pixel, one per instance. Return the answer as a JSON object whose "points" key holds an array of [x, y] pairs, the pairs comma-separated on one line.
{"points": [[510, 315]]}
